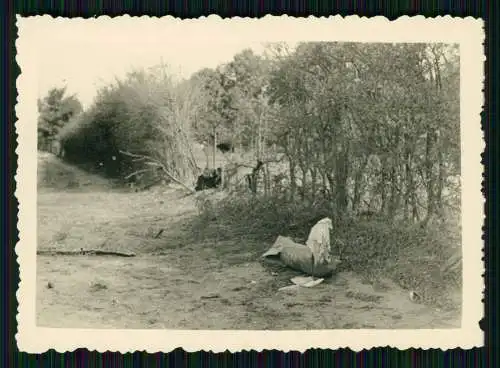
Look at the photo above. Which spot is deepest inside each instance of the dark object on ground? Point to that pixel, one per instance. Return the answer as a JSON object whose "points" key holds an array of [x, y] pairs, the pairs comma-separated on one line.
{"points": [[252, 178], [225, 147], [209, 179], [212, 296], [159, 233], [325, 193]]}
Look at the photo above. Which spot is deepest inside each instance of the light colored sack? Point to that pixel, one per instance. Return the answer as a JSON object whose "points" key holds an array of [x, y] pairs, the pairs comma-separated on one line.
{"points": [[299, 257]]}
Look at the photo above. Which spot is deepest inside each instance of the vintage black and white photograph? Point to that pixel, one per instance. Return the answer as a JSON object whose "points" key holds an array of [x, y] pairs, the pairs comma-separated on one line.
{"points": [[184, 177]]}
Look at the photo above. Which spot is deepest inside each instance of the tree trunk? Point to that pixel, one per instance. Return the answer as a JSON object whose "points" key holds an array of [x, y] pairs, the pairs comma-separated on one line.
{"points": [[431, 139], [441, 179], [324, 183], [429, 149], [357, 186], [214, 147], [314, 172], [341, 175], [304, 179], [331, 183], [292, 179], [394, 192], [382, 188], [408, 185], [415, 215], [267, 181], [259, 139]]}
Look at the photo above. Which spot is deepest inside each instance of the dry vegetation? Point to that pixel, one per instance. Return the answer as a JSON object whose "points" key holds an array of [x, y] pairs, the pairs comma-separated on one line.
{"points": [[204, 271], [366, 134]]}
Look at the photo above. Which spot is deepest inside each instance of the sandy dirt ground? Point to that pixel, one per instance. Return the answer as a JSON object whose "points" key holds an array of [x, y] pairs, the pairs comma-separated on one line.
{"points": [[171, 284]]}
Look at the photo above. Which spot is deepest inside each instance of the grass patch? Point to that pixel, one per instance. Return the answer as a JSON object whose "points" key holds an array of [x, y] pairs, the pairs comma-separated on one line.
{"points": [[56, 174], [256, 218], [409, 254]]}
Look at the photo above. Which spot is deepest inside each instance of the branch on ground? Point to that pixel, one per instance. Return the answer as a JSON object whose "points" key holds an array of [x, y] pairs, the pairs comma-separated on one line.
{"points": [[50, 252]]}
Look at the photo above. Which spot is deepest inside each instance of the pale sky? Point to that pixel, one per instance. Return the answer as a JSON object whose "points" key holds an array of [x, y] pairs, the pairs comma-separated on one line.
{"points": [[85, 54]]}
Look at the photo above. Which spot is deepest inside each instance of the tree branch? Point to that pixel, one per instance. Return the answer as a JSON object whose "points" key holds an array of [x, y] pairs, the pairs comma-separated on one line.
{"points": [[159, 164], [136, 173]]}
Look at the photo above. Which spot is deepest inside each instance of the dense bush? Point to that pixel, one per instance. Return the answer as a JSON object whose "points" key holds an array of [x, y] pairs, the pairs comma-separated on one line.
{"points": [[141, 115], [117, 121]]}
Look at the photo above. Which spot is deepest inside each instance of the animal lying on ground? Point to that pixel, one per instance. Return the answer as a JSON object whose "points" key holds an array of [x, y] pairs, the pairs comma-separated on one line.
{"points": [[225, 147], [209, 179]]}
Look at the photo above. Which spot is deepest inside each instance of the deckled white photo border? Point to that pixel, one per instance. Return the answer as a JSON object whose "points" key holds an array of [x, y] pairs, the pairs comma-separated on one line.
{"points": [[467, 32]]}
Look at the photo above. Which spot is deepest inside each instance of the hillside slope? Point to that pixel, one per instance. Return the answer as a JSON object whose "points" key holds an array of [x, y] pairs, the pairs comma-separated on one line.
{"points": [[55, 174]]}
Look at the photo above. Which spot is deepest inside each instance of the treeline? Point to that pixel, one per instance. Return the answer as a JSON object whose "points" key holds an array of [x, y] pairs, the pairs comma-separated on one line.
{"points": [[366, 127], [378, 124], [55, 110]]}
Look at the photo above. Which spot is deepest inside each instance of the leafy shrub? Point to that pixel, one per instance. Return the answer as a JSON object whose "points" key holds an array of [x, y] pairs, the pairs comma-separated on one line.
{"points": [[110, 125], [136, 115]]}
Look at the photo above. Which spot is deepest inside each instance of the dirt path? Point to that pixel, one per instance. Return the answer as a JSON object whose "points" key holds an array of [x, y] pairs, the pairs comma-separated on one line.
{"points": [[160, 292], [194, 286]]}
